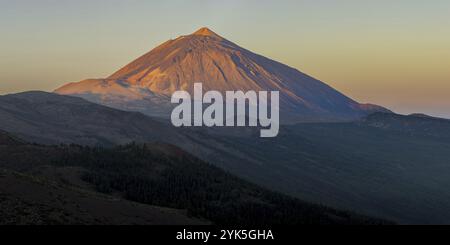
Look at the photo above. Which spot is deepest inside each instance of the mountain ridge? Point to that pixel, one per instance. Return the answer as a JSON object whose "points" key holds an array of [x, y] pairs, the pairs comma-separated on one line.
{"points": [[52, 119]]}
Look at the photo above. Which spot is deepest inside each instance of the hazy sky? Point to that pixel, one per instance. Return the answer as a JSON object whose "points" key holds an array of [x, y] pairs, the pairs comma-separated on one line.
{"points": [[395, 53]]}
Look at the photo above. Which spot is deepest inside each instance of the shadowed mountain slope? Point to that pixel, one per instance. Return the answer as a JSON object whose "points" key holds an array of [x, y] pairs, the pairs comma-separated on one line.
{"points": [[385, 165]]}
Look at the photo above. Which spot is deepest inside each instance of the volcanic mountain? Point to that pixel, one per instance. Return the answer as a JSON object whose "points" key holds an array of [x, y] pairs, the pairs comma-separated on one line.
{"points": [[147, 83]]}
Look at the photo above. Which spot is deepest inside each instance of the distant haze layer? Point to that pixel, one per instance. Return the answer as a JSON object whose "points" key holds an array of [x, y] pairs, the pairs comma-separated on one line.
{"points": [[395, 54]]}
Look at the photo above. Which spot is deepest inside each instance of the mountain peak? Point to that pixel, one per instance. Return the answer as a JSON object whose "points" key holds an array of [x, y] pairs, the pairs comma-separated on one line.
{"points": [[204, 56], [205, 31]]}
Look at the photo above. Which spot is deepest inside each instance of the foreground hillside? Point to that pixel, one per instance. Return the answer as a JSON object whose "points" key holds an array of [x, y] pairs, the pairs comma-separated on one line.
{"points": [[58, 184], [31, 200]]}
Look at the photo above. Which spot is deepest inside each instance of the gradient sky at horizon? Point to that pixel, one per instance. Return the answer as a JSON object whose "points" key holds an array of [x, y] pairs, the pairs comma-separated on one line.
{"points": [[392, 53]]}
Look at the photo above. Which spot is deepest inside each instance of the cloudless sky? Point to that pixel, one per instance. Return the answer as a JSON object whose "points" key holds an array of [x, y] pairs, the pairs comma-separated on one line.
{"points": [[392, 53]]}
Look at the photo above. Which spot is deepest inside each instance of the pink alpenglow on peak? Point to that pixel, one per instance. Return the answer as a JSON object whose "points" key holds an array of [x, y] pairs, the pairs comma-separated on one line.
{"points": [[147, 83], [205, 31]]}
